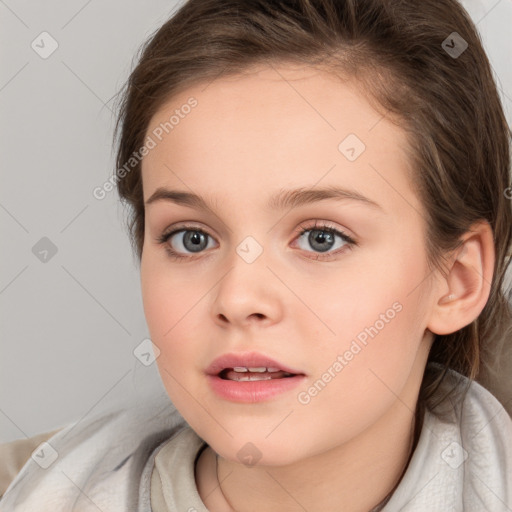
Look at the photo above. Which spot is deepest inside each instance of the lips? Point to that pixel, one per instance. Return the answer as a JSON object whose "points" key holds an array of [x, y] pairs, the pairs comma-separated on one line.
{"points": [[252, 378], [254, 362]]}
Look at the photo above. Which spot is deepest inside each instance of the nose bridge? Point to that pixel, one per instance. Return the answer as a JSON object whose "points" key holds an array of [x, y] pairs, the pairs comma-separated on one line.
{"points": [[247, 267], [249, 250], [244, 290]]}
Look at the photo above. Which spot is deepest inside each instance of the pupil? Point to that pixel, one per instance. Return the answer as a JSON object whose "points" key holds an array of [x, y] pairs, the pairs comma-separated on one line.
{"points": [[197, 241], [320, 238]]}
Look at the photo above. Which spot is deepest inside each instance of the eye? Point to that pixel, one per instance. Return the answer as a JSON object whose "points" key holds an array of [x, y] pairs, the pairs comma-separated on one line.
{"points": [[186, 238], [322, 238]]}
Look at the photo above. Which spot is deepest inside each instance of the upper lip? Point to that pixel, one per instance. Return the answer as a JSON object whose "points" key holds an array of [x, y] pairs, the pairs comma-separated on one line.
{"points": [[249, 360]]}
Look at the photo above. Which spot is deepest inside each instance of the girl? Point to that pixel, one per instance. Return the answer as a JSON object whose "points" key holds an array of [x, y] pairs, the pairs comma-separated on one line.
{"points": [[318, 197]]}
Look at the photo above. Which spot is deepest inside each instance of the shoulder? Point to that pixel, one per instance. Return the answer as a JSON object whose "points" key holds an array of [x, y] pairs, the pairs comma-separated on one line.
{"points": [[463, 458], [484, 451], [486, 427], [14, 455], [482, 417], [100, 452], [470, 405]]}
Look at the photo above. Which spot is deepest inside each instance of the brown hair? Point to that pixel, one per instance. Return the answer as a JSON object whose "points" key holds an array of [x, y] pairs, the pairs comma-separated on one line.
{"points": [[447, 104]]}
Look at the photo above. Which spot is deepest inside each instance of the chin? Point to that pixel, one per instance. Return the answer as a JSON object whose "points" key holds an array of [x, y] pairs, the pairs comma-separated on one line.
{"points": [[255, 450]]}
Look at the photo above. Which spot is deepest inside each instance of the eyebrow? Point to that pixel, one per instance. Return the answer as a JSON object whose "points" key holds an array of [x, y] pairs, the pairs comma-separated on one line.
{"points": [[283, 199]]}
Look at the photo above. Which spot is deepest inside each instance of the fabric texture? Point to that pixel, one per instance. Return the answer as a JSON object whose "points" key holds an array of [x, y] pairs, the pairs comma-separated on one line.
{"points": [[172, 476], [14, 455], [95, 463], [133, 459]]}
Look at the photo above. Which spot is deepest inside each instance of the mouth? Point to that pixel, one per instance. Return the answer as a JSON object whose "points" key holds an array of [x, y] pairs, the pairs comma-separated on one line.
{"points": [[242, 373], [249, 366], [251, 377]]}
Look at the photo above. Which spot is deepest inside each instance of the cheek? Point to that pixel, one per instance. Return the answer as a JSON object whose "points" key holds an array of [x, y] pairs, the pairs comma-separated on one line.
{"points": [[354, 382], [167, 297], [352, 302], [167, 321], [174, 315], [372, 320]]}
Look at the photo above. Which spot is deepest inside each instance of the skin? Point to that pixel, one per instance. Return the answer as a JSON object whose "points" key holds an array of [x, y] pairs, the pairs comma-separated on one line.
{"points": [[250, 136]]}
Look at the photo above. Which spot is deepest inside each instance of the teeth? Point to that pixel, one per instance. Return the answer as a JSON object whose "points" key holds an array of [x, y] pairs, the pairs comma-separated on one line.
{"points": [[259, 369], [253, 377], [242, 373]]}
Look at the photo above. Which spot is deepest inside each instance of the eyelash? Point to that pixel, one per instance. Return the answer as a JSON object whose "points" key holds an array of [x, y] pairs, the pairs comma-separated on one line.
{"points": [[325, 227]]}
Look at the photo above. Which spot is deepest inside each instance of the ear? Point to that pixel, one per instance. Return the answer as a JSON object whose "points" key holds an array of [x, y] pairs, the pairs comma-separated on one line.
{"points": [[464, 290]]}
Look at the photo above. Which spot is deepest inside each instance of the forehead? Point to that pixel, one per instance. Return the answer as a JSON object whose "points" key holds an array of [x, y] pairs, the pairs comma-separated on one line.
{"points": [[277, 127]]}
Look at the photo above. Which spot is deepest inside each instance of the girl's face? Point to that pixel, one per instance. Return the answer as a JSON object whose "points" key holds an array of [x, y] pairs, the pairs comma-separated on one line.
{"points": [[350, 316]]}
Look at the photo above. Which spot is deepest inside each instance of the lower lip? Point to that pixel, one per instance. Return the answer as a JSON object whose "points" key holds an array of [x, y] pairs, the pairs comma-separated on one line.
{"points": [[252, 391]]}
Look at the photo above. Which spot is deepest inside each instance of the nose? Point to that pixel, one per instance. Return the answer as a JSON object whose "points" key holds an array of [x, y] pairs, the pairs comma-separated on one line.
{"points": [[248, 294]]}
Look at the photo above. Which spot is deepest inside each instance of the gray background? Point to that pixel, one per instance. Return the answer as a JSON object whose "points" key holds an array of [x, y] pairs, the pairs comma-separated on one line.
{"points": [[70, 324]]}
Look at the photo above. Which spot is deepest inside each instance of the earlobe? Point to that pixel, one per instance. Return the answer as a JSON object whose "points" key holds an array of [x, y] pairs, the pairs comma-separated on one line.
{"points": [[465, 288]]}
